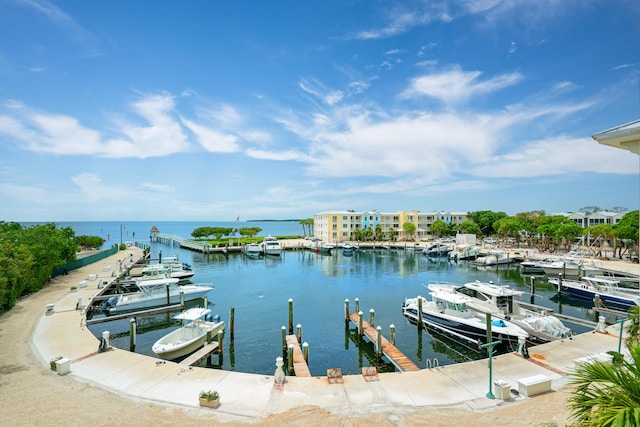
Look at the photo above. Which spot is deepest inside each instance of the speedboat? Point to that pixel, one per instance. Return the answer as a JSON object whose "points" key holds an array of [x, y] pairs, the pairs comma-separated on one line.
{"points": [[154, 293], [464, 252], [437, 250], [495, 257], [190, 336], [172, 270], [448, 312], [252, 250], [569, 268], [607, 290], [320, 247], [270, 246], [348, 248], [501, 302]]}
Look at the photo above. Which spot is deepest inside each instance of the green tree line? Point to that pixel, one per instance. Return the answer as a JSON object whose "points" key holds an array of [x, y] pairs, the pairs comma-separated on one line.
{"points": [[27, 256]]}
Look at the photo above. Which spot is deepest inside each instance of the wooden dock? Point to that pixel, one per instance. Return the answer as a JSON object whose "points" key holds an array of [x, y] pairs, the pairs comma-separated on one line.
{"points": [[201, 354], [395, 356], [300, 366]]}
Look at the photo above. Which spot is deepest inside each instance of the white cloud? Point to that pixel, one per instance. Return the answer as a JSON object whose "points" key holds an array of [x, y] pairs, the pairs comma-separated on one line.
{"points": [[212, 140], [456, 85], [558, 156]]}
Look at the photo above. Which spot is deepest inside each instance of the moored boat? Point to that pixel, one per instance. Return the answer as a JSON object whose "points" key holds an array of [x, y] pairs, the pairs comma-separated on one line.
{"points": [[465, 252], [252, 249], [172, 270], [449, 313], [190, 336], [437, 250], [608, 291], [501, 302], [270, 246], [155, 293]]}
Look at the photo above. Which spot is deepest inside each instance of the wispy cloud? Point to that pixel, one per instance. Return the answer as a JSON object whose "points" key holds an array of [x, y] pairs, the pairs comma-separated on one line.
{"points": [[79, 34], [456, 85], [317, 89]]}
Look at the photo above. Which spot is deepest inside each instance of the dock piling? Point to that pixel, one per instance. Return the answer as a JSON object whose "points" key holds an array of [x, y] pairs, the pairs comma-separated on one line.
{"points": [[290, 315], [132, 334], [232, 312], [305, 352], [379, 342], [392, 334], [284, 338], [346, 311], [299, 332], [372, 313]]}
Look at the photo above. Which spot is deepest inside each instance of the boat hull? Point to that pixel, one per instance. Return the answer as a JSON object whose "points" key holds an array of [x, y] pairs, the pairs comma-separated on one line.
{"points": [[587, 293], [456, 328], [185, 340], [130, 302]]}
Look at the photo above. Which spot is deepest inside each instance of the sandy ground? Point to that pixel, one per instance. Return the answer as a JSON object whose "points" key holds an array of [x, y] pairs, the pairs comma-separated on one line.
{"points": [[33, 395]]}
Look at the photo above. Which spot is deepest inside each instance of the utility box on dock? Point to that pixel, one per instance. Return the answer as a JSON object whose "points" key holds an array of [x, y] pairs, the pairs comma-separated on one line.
{"points": [[502, 390], [63, 366]]}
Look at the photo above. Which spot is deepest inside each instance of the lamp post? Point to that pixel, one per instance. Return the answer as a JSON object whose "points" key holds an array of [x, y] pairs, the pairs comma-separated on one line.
{"points": [[489, 346]]}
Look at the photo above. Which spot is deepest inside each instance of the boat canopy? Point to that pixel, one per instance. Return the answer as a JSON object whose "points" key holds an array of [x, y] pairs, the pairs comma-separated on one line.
{"points": [[193, 313]]}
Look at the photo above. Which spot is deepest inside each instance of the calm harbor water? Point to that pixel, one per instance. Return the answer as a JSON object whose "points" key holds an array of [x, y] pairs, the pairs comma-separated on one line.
{"points": [[259, 290]]}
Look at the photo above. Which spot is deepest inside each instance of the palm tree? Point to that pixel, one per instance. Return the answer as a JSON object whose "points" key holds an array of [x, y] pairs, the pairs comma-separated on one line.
{"points": [[609, 394]]}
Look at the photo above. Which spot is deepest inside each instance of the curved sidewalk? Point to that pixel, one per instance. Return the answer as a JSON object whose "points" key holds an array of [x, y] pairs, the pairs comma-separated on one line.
{"points": [[253, 396]]}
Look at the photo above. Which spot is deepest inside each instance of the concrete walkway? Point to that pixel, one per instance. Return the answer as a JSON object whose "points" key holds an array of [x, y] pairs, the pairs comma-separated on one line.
{"points": [[253, 396]]}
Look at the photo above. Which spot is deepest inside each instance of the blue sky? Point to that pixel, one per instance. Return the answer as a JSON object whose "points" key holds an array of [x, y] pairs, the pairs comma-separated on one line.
{"points": [[210, 110]]}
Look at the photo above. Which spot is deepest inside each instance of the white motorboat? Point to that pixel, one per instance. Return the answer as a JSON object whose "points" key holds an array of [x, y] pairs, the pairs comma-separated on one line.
{"points": [[320, 247], [154, 293], [495, 257], [607, 290], [190, 336], [448, 312], [172, 270], [534, 266], [437, 250], [501, 302], [569, 268], [270, 246], [348, 248], [252, 249], [465, 252]]}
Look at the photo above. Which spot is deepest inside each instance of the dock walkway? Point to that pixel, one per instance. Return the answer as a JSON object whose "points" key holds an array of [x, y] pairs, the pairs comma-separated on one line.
{"points": [[395, 356], [300, 366]]}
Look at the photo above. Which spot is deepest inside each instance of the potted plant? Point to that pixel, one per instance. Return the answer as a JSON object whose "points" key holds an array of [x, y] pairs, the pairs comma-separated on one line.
{"points": [[209, 398]]}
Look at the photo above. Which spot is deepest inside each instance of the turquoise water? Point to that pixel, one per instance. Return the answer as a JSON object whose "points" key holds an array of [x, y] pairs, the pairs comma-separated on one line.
{"points": [[259, 290]]}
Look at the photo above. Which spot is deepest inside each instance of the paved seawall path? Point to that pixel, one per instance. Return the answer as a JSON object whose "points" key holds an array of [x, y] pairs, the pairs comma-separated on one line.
{"points": [[120, 387]]}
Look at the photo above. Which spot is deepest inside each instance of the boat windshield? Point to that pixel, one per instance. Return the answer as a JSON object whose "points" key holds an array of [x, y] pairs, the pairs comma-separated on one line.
{"points": [[460, 306]]}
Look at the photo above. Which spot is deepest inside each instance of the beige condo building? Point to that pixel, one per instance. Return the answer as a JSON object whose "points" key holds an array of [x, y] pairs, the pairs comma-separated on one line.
{"points": [[340, 226]]}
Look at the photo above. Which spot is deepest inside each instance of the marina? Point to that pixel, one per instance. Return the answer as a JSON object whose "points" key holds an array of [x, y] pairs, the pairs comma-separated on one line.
{"points": [[318, 284], [462, 385]]}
